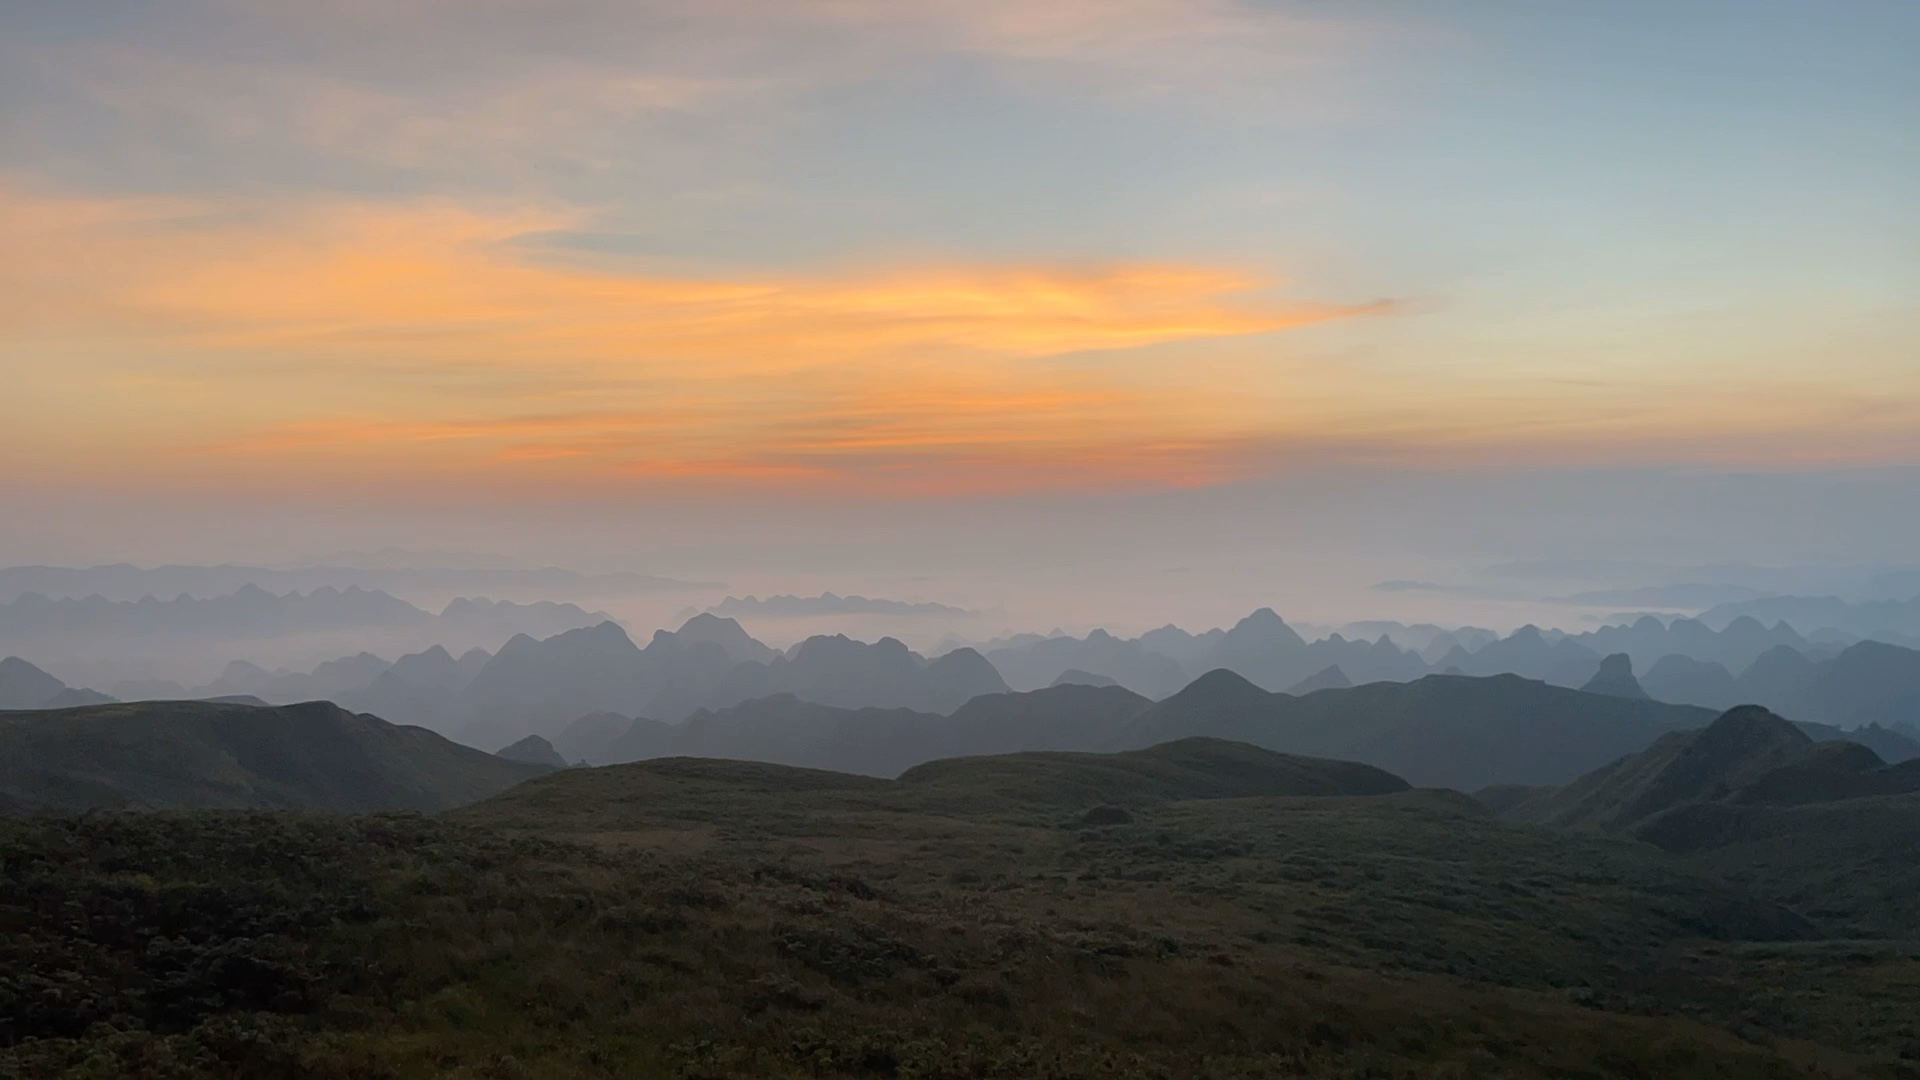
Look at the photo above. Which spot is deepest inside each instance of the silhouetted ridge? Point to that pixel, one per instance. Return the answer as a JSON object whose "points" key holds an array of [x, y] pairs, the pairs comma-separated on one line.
{"points": [[1328, 678], [1615, 679], [1219, 689], [1264, 628], [1686, 681], [958, 677], [1264, 649], [1440, 731], [24, 686], [1070, 717], [1076, 677], [1744, 744], [587, 738], [186, 754], [75, 697], [726, 633], [533, 750], [1746, 756]]}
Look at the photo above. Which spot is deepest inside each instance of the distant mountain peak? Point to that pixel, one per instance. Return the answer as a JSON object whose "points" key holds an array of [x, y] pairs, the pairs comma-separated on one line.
{"points": [[1615, 679], [1745, 728], [725, 632], [1710, 764], [14, 667], [1077, 677], [609, 636], [1330, 677], [533, 750], [707, 622], [1218, 685], [24, 686], [1267, 625]]}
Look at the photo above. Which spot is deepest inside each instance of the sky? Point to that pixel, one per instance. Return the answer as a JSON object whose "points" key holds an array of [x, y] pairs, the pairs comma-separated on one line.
{"points": [[987, 287]]}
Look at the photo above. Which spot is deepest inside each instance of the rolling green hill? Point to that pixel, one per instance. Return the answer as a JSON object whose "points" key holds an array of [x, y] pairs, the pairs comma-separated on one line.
{"points": [[1826, 828], [188, 754], [1747, 756], [1851, 865], [1709, 764], [1197, 909]]}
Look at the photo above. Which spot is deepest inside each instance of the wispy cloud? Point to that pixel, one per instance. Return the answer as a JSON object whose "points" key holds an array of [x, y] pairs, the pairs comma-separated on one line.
{"points": [[500, 93], [482, 351], [423, 278]]}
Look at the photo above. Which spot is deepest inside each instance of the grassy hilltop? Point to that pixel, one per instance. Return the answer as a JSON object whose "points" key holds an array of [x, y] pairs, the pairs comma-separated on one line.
{"points": [[1201, 909], [203, 754]]}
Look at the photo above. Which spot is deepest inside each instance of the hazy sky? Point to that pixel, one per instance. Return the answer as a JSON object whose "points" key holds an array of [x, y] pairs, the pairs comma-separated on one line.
{"points": [[984, 266]]}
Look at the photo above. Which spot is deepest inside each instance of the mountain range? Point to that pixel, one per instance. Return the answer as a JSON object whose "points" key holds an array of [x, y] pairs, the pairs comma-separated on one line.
{"points": [[1077, 876], [784, 729], [1199, 907], [1896, 621], [1266, 650], [1453, 731], [713, 665], [153, 640], [1462, 732], [543, 685], [1684, 661], [540, 687], [1867, 683]]}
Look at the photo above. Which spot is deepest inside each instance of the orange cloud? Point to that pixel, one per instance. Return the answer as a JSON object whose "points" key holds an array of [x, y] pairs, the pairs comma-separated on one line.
{"points": [[169, 342], [408, 280], [442, 339]]}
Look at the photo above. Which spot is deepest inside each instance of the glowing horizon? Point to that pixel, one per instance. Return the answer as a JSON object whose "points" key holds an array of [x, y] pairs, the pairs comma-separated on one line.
{"points": [[936, 249]]}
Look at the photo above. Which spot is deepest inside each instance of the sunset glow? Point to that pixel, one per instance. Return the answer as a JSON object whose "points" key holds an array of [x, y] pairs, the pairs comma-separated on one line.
{"points": [[907, 250]]}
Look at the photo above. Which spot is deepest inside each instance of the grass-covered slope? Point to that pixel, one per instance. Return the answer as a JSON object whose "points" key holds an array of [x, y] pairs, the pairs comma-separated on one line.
{"points": [[191, 754], [375, 947], [1748, 756], [1826, 829], [1709, 764], [1851, 865], [698, 919]]}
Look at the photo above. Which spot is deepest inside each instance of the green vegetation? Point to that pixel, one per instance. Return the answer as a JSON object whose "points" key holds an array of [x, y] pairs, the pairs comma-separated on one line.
{"points": [[1044, 915], [1737, 750], [190, 754], [1852, 866], [1828, 829]]}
